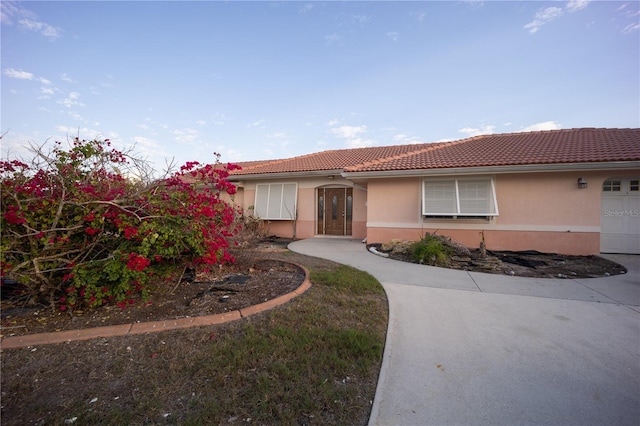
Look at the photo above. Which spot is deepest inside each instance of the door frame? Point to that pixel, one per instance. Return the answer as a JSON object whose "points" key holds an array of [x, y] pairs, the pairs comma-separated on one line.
{"points": [[323, 208]]}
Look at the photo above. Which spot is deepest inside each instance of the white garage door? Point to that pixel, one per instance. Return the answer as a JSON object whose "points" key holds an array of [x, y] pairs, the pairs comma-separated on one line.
{"points": [[620, 216]]}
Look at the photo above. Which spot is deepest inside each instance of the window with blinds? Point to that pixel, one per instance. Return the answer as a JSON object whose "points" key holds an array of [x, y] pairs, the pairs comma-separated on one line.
{"points": [[276, 201], [459, 197]]}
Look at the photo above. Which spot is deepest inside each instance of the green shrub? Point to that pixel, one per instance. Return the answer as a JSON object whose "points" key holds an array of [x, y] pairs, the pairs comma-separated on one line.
{"points": [[430, 251]]}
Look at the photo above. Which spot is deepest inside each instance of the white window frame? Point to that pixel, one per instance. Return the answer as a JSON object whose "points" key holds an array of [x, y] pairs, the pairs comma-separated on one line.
{"points": [[449, 188], [276, 201]]}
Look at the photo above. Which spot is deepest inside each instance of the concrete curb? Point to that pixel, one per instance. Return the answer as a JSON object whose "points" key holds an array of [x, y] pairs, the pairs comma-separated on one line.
{"points": [[12, 342]]}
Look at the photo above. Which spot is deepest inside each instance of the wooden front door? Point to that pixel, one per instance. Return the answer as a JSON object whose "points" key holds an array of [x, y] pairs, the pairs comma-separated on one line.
{"points": [[335, 207]]}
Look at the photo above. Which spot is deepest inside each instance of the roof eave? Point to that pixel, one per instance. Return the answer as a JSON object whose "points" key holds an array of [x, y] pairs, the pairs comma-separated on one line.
{"points": [[285, 175], [520, 168]]}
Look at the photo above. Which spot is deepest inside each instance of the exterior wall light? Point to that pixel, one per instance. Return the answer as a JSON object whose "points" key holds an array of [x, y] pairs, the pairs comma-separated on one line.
{"points": [[582, 183]]}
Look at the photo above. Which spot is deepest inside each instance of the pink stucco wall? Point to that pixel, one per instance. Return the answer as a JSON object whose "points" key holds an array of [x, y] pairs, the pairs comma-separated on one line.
{"points": [[549, 242], [537, 211], [547, 212], [306, 225]]}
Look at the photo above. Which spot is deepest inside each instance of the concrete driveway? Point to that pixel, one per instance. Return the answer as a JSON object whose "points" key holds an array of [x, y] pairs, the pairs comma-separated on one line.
{"points": [[480, 349]]}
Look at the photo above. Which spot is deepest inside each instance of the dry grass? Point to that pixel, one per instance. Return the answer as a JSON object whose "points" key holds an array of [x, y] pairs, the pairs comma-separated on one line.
{"points": [[314, 360]]}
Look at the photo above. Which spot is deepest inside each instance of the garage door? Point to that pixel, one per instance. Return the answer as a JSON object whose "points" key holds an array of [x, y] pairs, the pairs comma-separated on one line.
{"points": [[620, 216]]}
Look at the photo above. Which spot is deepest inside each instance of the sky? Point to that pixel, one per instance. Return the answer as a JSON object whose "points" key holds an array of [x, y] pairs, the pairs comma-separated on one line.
{"points": [[266, 80]]}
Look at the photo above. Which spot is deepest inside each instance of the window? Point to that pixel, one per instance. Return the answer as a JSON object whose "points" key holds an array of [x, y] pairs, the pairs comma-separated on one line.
{"points": [[611, 185], [469, 198], [276, 201], [634, 185]]}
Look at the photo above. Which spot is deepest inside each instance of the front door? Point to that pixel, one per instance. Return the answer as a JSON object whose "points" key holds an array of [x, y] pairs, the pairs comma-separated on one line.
{"points": [[334, 211]]}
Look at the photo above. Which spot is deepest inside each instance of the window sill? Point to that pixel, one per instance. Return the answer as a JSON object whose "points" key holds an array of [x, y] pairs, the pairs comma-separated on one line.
{"points": [[435, 218]]}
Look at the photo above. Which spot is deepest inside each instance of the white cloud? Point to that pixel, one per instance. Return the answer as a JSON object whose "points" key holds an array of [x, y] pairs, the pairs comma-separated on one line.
{"points": [[359, 143], [75, 116], [65, 77], [393, 35], [352, 136], [542, 17], [10, 10], [17, 146], [19, 74], [551, 13], [574, 5], [146, 144], [231, 155], [71, 100], [474, 3], [219, 119], [267, 152], [82, 132], [475, 131], [420, 16], [545, 125], [186, 136], [333, 122], [402, 139], [361, 19], [348, 132], [7, 10], [201, 122], [66, 129], [630, 28], [46, 92], [332, 39], [257, 123], [43, 28], [12, 13], [306, 8], [277, 135], [622, 7]]}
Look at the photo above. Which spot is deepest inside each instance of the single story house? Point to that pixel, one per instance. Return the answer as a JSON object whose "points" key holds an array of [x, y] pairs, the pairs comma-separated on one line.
{"points": [[573, 191]]}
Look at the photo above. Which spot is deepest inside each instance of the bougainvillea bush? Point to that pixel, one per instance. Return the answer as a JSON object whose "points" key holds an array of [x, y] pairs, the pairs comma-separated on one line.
{"points": [[79, 228]]}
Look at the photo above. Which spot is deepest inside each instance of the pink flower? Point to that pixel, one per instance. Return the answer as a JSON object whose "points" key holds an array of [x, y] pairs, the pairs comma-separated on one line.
{"points": [[137, 263], [91, 231], [11, 216], [130, 232]]}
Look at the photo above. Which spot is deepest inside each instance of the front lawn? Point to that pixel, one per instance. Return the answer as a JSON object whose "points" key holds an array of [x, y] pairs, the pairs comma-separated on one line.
{"points": [[314, 360]]}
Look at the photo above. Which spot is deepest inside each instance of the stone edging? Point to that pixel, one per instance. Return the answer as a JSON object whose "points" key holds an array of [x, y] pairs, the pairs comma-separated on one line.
{"points": [[154, 326]]}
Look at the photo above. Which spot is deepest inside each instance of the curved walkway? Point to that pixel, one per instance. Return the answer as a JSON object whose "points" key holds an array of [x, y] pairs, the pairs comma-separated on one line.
{"points": [[466, 348]]}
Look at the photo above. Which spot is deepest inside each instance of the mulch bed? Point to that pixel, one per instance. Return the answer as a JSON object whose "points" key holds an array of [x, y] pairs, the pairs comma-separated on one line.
{"points": [[197, 294]]}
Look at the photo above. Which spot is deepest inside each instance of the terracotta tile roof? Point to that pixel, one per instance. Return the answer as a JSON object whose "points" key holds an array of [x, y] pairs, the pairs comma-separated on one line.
{"points": [[547, 147], [251, 164], [329, 160], [586, 145]]}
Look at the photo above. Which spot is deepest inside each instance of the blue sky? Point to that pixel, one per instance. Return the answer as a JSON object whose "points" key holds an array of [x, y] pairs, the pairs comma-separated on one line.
{"points": [[264, 80]]}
